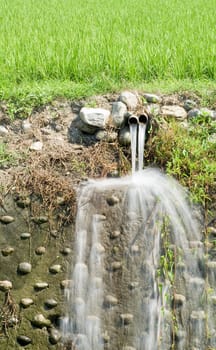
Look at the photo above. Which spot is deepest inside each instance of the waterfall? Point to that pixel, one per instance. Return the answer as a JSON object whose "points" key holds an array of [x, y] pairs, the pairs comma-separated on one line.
{"points": [[138, 277]]}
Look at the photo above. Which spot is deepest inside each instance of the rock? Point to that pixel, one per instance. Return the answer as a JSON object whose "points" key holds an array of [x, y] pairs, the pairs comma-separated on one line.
{"points": [[25, 235], [189, 104], [66, 251], [126, 319], [5, 285], [112, 200], [24, 202], [96, 118], [26, 126], [130, 99], [115, 234], [40, 250], [174, 111], [46, 131], [24, 268], [118, 113], [3, 131], [6, 219], [135, 249], [106, 136], [26, 302], [51, 303], [128, 348], [7, 251], [152, 98], [179, 299], [105, 337], [125, 137], [109, 301], [66, 284], [23, 340], [99, 217], [198, 315], [153, 109], [116, 265], [194, 113], [40, 321], [36, 146], [208, 113], [133, 285], [41, 285], [98, 248], [40, 219], [55, 336], [55, 268], [212, 138]]}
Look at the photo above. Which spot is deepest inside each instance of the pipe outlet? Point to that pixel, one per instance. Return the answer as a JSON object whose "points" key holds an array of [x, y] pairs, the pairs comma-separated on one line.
{"points": [[143, 118], [133, 119]]}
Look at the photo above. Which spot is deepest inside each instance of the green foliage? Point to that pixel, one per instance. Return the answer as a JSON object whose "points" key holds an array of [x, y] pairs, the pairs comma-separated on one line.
{"points": [[6, 157], [187, 154]]}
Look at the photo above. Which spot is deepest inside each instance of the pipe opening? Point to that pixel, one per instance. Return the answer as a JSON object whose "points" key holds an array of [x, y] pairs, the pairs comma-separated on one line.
{"points": [[143, 119], [133, 119]]}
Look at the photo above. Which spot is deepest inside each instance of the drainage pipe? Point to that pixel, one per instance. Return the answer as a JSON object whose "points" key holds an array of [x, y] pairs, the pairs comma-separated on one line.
{"points": [[143, 118], [133, 120]]}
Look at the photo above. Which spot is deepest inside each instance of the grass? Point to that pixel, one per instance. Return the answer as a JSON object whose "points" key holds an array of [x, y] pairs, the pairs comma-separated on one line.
{"points": [[65, 47]]}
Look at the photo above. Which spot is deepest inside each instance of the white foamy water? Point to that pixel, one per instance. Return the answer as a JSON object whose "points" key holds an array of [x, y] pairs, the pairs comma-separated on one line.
{"points": [[133, 133], [141, 145], [152, 212]]}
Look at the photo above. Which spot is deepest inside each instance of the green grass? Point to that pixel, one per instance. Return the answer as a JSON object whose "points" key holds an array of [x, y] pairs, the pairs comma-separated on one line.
{"points": [[97, 45]]}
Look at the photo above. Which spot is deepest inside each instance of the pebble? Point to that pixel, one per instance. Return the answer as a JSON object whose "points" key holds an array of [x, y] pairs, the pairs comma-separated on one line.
{"points": [[109, 300], [26, 302], [189, 104], [25, 235], [7, 251], [66, 251], [41, 285], [40, 321], [135, 249], [116, 265], [126, 319], [99, 217], [26, 126], [195, 112], [112, 200], [133, 285], [115, 234], [152, 98], [40, 250], [23, 340], [40, 219], [55, 269], [5, 285], [130, 99], [51, 303], [65, 284], [198, 315], [36, 146], [6, 219], [24, 268], [55, 336], [24, 202], [179, 299], [3, 131]]}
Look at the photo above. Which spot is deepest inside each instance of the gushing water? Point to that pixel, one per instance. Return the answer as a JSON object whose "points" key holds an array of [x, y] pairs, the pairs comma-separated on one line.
{"points": [[138, 276]]}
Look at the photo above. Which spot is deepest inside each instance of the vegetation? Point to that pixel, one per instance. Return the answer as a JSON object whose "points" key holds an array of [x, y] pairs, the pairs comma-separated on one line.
{"points": [[188, 154], [67, 48]]}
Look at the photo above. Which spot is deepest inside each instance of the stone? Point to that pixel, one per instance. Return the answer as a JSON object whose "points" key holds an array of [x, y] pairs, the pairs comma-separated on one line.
{"points": [[40, 321], [23, 340], [125, 137], [116, 265], [112, 200], [41, 285], [118, 113], [26, 302], [115, 234], [24, 202], [195, 112], [174, 111], [5, 285], [178, 299], [213, 299], [152, 98], [3, 131], [55, 336], [25, 235], [55, 268], [130, 99], [105, 337], [40, 250], [7, 251], [24, 268], [109, 301], [66, 251], [208, 113], [211, 231], [198, 315], [26, 126], [106, 136], [133, 285], [36, 146], [126, 319], [66, 284], [50, 303], [153, 109], [6, 219], [212, 138], [98, 248], [99, 217], [128, 348], [96, 118], [134, 249], [189, 104], [40, 219]]}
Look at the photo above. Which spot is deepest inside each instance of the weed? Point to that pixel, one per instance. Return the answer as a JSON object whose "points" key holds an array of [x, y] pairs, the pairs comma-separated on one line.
{"points": [[6, 157]]}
